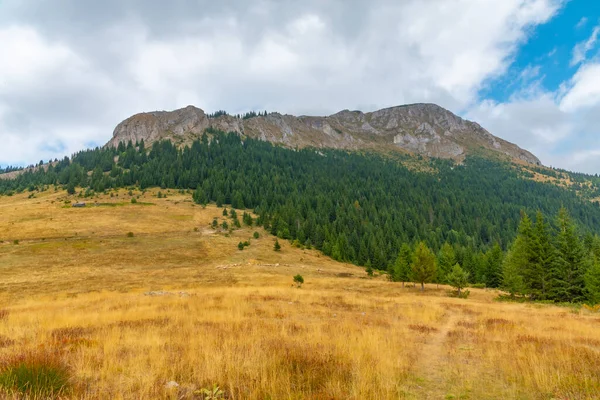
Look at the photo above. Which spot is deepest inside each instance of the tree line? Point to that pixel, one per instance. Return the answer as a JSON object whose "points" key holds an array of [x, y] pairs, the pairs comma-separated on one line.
{"points": [[362, 208], [547, 261]]}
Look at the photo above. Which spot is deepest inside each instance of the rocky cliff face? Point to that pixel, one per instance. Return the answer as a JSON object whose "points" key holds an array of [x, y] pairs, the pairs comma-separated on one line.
{"points": [[425, 129]]}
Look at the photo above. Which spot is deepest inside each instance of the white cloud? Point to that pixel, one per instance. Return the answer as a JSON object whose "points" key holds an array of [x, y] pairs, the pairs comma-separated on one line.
{"points": [[584, 89], [71, 82], [560, 127], [27, 59], [581, 49]]}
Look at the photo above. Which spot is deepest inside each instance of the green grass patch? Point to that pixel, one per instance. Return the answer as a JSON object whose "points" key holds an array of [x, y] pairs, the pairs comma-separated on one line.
{"points": [[36, 375], [109, 204], [540, 303]]}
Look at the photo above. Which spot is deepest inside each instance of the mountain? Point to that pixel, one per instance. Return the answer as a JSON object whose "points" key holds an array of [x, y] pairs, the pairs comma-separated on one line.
{"points": [[425, 129]]}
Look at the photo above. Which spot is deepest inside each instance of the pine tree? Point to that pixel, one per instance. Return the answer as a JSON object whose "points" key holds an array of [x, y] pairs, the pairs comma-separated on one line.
{"points": [[528, 266], [493, 266], [446, 260], [199, 196], [592, 283], [543, 254], [71, 188], [571, 263], [516, 271], [423, 267], [402, 266], [512, 280], [458, 278]]}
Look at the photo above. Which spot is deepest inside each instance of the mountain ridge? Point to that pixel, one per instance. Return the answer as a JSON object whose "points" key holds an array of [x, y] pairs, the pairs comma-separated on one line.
{"points": [[421, 128]]}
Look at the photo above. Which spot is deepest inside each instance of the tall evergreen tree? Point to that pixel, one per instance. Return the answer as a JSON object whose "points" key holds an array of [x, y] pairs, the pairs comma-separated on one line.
{"points": [[592, 283], [516, 269], [512, 280], [403, 264], [493, 266], [543, 256], [570, 265], [445, 262]]}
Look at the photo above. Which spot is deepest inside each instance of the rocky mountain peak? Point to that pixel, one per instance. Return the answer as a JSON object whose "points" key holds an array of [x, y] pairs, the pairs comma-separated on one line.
{"points": [[423, 128]]}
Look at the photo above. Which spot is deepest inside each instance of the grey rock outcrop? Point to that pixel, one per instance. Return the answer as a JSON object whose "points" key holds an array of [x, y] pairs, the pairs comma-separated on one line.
{"points": [[425, 129]]}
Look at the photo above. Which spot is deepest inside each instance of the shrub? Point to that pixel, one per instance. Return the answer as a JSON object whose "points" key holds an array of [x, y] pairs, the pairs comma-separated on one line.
{"points": [[130, 234], [477, 285], [213, 393], [15, 242], [133, 200], [256, 235], [277, 246], [298, 280], [241, 246]]}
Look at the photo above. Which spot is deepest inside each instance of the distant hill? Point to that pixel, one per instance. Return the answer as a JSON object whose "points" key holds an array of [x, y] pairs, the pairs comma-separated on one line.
{"points": [[424, 129]]}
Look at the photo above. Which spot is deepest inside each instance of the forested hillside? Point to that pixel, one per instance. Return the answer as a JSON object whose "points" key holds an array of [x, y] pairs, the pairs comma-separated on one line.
{"points": [[355, 207]]}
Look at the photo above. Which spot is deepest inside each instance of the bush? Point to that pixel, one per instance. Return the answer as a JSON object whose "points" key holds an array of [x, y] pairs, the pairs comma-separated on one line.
{"points": [[130, 234], [277, 246], [241, 246], [298, 280], [15, 242], [133, 200], [256, 235]]}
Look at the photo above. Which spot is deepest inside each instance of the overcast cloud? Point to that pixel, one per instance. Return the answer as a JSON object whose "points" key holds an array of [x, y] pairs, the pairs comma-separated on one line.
{"points": [[70, 70]]}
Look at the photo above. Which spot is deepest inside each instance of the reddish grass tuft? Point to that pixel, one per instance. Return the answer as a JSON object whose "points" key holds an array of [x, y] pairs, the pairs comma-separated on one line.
{"points": [[422, 328]]}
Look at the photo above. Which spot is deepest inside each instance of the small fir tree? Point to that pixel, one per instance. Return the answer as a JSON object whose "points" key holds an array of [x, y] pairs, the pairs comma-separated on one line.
{"points": [[458, 278], [423, 267]]}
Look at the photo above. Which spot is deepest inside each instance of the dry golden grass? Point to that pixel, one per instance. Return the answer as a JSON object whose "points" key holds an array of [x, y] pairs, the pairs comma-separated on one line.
{"points": [[75, 287]]}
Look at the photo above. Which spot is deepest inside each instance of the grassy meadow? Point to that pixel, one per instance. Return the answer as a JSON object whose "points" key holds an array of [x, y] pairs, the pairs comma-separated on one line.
{"points": [[89, 311]]}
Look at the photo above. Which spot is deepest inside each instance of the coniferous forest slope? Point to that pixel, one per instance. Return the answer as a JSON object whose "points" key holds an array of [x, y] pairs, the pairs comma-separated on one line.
{"points": [[358, 207]]}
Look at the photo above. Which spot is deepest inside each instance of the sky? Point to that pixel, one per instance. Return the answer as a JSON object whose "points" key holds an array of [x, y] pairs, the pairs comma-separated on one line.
{"points": [[526, 70]]}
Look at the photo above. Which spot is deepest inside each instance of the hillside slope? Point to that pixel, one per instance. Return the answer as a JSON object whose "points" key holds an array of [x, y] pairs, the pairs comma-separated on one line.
{"points": [[425, 129], [172, 310]]}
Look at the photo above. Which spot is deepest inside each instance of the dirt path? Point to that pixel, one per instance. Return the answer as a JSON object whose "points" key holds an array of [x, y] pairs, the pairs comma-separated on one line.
{"points": [[431, 371]]}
